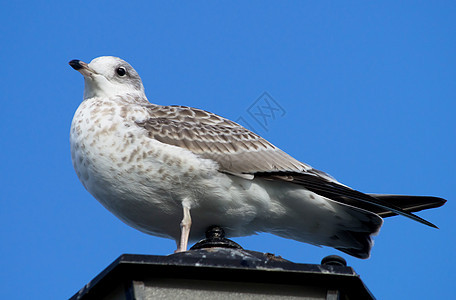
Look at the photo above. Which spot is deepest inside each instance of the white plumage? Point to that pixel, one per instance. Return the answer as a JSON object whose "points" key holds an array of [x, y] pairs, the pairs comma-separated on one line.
{"points": [[166, 169]]}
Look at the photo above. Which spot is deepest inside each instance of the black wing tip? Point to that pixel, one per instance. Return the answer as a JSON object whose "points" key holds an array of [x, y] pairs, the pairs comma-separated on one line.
{"points": [[431, 225], [411, 204], [420, 220], [426, 201], [439, 201]]}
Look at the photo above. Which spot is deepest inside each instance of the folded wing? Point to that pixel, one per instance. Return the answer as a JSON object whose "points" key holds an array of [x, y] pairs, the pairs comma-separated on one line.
{"points": [[241, 152]]}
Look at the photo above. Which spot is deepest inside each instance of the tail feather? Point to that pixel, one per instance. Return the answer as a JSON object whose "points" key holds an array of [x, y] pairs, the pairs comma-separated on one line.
{"points": [[357, 241], [363, 244]]}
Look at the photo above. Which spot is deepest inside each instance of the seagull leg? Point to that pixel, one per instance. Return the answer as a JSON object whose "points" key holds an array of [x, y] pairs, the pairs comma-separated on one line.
{"points": [[185, 225]]}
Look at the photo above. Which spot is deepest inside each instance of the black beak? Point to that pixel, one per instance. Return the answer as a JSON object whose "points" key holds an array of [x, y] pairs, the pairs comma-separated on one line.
{"points": [[75, 64]]}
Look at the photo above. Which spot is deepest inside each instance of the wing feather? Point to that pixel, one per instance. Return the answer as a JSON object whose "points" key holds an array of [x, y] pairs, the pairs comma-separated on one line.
{"points": [[236, 149], [241, 152]]}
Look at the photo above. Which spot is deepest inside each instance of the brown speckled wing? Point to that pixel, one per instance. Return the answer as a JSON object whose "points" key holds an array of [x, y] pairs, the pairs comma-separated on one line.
{"points": [[236, 149]]}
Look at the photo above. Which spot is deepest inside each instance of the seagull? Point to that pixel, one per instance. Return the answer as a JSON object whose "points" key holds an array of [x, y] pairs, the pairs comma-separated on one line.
{"points": [[167, 169]]}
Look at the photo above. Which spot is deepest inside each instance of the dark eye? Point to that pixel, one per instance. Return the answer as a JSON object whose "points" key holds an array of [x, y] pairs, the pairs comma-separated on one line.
{"points": [[121, 71]]}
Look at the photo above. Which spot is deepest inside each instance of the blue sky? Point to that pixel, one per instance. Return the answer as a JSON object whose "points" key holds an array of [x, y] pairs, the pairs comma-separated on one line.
{"points": [[368, 95]]}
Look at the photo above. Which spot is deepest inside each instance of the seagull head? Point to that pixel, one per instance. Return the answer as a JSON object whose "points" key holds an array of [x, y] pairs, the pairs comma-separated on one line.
{"points": [[108, 76]]}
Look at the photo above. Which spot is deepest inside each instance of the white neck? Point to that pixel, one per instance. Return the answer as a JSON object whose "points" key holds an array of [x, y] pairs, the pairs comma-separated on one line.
{"points": [[101, 87]]}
